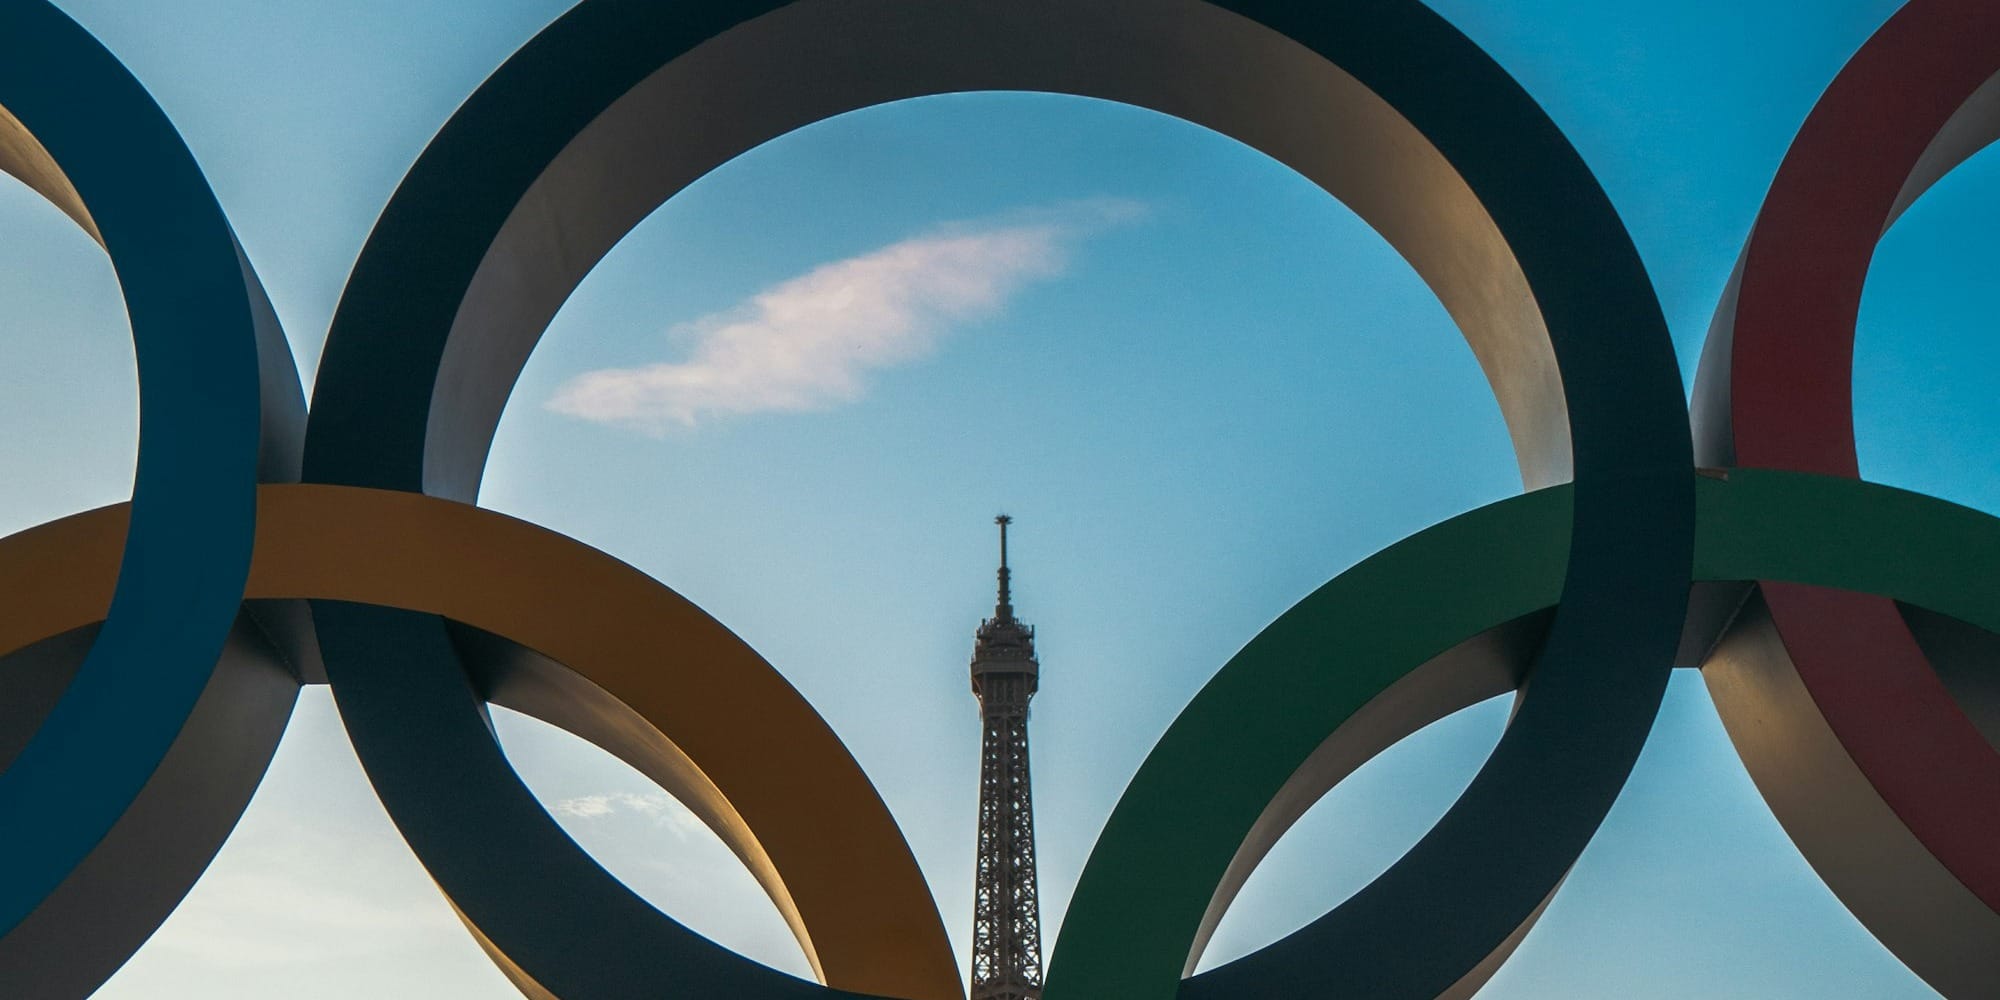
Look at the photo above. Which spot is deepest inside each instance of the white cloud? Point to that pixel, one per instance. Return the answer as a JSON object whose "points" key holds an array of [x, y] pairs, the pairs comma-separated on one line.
{"points": [[587, 806], [663, 809], [808, 342]]}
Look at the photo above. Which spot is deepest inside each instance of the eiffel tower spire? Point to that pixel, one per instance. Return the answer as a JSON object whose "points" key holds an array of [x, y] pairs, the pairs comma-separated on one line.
{"points": [[1004, 607], [1007, 919]]}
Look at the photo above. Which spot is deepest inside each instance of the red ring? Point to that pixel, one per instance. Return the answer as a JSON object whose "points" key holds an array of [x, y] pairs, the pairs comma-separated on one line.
{"points": [[1777, 372]]}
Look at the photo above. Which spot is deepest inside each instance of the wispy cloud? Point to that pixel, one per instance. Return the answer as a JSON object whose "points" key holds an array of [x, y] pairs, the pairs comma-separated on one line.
{"points": [[809, 342], [662, 809]]}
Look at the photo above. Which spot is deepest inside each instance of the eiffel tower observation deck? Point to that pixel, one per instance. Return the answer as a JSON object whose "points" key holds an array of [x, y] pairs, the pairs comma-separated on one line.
{"points": [[1007, 919]]}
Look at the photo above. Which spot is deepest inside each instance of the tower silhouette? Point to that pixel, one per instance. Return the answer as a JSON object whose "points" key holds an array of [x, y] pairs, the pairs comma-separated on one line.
{"points": [[1007, 918]]}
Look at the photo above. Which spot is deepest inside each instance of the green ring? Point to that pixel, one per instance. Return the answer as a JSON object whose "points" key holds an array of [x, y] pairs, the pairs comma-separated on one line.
{"points": [[1140, 901]]}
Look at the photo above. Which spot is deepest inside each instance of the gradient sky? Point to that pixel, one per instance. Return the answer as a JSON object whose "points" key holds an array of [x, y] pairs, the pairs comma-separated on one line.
{"points": [[1200, 384]]}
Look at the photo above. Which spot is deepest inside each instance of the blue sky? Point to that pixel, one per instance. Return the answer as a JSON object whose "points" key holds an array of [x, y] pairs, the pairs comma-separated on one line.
{"points": [[1200, 384]]}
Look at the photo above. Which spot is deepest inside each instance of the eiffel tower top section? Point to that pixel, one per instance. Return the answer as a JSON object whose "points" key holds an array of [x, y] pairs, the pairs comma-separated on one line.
{"points": [[1004, 644]]}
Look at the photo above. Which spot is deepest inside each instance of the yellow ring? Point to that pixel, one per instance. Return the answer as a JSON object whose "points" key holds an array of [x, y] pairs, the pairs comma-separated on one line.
{"points": [[663, 686]]}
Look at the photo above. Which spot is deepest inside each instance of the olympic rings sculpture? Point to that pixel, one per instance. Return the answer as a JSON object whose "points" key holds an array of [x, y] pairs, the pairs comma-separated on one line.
{"points": [[153, 650]]}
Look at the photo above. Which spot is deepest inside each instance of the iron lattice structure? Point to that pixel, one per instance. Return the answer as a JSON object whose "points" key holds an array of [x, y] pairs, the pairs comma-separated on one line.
{"points": [[1007, 916]]}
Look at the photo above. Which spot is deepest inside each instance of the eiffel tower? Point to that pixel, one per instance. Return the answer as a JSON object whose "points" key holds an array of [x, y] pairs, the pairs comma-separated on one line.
{"points": [[1007, 917]]}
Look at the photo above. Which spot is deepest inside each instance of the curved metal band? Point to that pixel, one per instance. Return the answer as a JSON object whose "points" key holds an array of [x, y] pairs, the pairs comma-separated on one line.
{"points": [[1414, 637], [643, 673], [531, 182], [1775, 391], [1377, 653], [76, 127], [1887, 544]]}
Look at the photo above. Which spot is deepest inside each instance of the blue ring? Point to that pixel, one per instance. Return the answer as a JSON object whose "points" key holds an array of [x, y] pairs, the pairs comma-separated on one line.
{"points": [[193, 309]]}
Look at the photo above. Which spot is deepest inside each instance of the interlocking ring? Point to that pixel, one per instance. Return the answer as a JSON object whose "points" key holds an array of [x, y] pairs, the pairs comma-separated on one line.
{"points": [[1885, 781], [110, 734], [616, 106], [1403, 624], [424, 607], [615, 657], [1875, 770]]}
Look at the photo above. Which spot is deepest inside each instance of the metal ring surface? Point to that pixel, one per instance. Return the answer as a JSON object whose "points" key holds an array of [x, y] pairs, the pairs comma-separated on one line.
{"points": [[463, 272], [633, 667], [1774, 391], [1382, 650], [219, 408], [531, 183], [1414, 640]]}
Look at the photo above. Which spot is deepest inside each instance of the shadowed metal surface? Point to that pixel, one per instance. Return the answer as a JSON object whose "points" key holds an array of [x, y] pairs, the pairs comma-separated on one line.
{"points": [[1492, 663], [1380, 102], [1775, 391], [591, 645], [128, 885], [1892, 545], [1756, 525], [1883, 770], [163, 709], [1375, 654]]}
